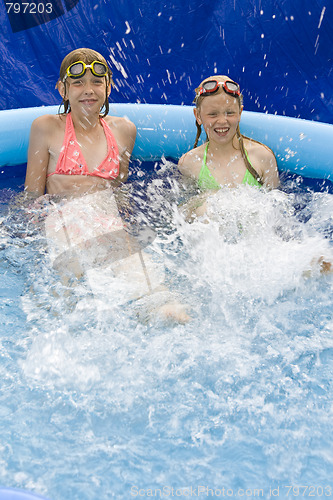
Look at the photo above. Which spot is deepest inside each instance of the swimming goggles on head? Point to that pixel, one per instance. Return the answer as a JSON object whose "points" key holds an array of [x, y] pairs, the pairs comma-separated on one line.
{"points": [[212, 86], [79, 68]]}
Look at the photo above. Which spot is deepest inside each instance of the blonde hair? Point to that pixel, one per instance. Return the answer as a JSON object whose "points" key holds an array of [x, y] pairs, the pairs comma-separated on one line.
{"points": [[198, 101], [87, 56]]}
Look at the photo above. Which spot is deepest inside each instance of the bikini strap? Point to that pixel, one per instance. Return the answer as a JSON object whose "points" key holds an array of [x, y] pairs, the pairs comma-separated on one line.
{"points": [[204, 161], [246, 159], [252, 171]]}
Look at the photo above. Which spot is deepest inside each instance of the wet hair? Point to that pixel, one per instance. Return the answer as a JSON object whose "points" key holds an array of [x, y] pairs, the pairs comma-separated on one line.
{"points": [[198, 101], [87, 56]]}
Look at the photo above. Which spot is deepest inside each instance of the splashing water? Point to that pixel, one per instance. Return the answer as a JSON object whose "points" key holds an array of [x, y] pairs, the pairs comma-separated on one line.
{"points": [[96, 404]]}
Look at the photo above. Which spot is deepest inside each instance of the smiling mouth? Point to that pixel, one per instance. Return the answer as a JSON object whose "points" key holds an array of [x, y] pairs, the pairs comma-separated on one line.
{"points": [[88, 101], [221, 130]]}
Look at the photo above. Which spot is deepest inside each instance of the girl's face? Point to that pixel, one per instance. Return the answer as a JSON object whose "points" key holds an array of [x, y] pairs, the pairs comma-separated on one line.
{"points": [[219, 114], [86, 94]]}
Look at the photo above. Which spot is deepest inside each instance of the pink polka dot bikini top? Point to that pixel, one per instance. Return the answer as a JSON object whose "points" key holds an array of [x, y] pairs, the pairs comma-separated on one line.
{"points": [[72, 162]]}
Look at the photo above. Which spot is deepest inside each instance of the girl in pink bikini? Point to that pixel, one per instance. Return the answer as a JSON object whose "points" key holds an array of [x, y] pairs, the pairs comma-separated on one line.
{"points": [[82, 149], [80, 153]]}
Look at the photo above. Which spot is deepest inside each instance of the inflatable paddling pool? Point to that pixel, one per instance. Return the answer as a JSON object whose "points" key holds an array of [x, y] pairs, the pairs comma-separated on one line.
{"points": [[13, 494], [301, 147]]}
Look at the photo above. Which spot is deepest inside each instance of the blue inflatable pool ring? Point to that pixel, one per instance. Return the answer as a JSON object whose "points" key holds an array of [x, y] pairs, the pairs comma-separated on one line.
{"points": [[169, 131], [13, 494]]}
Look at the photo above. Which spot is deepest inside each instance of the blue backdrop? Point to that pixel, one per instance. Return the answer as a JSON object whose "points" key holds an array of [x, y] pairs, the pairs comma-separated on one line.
{"points": [[280, 51]]}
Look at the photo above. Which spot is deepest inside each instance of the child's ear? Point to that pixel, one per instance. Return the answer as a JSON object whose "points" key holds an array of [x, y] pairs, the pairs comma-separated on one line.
{"points": [[197, 116], [108, 89], [61, 89]]}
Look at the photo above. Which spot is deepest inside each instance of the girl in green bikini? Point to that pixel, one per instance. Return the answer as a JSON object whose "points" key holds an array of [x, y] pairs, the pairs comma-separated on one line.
{"points": [[227, 158]]}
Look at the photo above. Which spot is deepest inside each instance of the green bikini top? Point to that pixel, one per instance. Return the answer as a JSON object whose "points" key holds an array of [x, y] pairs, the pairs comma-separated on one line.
{"points": [[207, 181]]}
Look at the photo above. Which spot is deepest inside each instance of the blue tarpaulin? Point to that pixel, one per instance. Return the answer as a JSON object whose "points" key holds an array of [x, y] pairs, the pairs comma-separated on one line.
{"points": [[280, 51]]}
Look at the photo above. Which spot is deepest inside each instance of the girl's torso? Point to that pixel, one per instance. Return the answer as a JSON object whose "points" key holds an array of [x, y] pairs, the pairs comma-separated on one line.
{"points": [[229, 170], [92, 149], [232, 175]]}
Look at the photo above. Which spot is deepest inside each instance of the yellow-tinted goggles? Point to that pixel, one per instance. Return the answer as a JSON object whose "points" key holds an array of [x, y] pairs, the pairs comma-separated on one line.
{"points": [[79, 68]]}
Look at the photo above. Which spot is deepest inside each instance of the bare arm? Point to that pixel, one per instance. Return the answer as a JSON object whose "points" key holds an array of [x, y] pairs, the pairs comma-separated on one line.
{"points": [[270, 172], [190, 163], [38, 157], [131, 136], [264, 162], [125, 134], [185, 165]]}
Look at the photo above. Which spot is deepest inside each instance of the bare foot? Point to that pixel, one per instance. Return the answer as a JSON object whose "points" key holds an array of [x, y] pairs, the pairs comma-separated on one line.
{"points": [[324, 266], [173, 311]]}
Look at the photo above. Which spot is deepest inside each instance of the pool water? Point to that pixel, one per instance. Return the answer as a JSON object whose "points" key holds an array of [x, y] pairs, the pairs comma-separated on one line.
{"points": [[97, 405]]}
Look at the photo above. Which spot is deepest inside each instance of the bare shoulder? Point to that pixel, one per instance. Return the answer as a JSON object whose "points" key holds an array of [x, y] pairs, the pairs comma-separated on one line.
{"points": [[190, 163], [122, 124], [264, 162], [48, 120], [45, 125], [261, 151]]}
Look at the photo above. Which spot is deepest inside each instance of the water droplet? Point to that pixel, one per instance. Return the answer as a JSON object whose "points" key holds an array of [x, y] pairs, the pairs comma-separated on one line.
{"points": [[321, 17], [128, 28]]}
